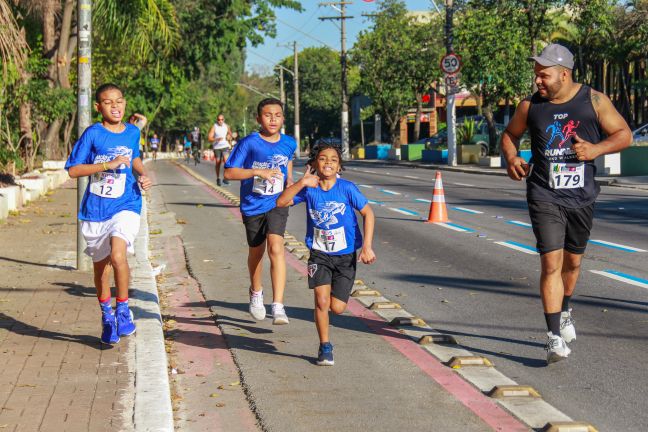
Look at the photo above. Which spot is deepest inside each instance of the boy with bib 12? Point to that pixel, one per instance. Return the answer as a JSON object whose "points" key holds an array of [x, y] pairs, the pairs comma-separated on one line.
{"points": [[262, 161], [108, 152], [332, 235]]}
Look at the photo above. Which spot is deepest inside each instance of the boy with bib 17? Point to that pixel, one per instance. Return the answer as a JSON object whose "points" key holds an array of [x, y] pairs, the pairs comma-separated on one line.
{"points": [[332, 235], [108, 152]]}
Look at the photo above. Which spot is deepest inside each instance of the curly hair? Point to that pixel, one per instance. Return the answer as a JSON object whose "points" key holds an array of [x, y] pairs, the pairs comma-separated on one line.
{"points": [[319, 148]]}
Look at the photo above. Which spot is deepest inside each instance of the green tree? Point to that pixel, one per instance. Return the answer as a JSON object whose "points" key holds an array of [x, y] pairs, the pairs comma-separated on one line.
{"points": [[494, 54], [383, 55], [320, 90]]}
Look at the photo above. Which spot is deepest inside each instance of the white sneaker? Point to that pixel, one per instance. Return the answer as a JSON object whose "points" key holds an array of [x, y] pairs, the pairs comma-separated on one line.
{"points": [[257, 309], [556, 348], [567, 329], [279, 314]]}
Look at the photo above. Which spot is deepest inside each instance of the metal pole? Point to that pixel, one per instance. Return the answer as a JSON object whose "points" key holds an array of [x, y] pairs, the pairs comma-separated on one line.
{"points": [[345, 96], [296, 83], [282, 95], [450, 98], [84, 98]]}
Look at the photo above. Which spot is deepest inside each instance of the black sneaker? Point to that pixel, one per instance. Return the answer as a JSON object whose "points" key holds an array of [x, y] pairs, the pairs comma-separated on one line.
{"points": [[218, 182], [325, 355], [225, 182]]}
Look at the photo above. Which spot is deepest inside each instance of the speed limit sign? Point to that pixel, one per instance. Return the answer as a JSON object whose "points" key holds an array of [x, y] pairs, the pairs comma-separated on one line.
{"points": [[451, 63]]}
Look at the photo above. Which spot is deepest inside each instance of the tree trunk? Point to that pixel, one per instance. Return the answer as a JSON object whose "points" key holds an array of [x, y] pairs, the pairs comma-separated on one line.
{"points": [[62, 58], [492, 131], [419, 112]]}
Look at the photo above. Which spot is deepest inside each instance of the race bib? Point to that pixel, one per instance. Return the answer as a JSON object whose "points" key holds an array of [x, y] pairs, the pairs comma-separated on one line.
{"points": [[108, 184], [567, 175], [333, 240], [268, 187]]}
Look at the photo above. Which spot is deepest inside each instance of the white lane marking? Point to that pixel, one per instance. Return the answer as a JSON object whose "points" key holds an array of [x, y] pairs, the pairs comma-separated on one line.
{"points": [[519, 223], [368, 171], [454, 227], [298, 172], [366, 186], [412, 177], [617, 246], [463, 184], [629, 279], [423, 200], [403, 211], [389, 192], [518, 247], [467, 210], [376, 202]]}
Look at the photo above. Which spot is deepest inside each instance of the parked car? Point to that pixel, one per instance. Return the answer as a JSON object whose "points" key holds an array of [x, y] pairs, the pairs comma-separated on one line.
{"points": [[440, 139], [640, 135]]}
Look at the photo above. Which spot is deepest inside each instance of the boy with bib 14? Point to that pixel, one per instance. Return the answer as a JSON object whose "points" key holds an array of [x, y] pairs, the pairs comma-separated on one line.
{"points": [[108, 152], [262, 161], [332, 235]]}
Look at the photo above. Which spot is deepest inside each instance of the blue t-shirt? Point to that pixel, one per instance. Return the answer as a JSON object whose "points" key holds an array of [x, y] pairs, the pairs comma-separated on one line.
{"points": [[257, 195], [112, 191], [332, 226]]}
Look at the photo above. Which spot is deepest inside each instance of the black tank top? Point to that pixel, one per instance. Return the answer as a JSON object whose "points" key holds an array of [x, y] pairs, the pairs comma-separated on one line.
{"points": [[556, 175]]}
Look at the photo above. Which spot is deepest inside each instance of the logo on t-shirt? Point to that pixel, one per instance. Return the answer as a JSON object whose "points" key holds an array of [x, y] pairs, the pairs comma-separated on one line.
{"points": [[561, 131], [113, 153], [274, 161], [326, 216]]}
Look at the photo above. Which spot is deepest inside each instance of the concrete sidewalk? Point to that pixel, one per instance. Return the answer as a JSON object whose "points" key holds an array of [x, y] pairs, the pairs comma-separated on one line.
{"points": [[55, 374]]}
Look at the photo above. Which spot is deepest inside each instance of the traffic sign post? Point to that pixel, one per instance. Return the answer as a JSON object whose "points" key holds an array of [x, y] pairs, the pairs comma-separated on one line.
{"points": [[451, 64]]}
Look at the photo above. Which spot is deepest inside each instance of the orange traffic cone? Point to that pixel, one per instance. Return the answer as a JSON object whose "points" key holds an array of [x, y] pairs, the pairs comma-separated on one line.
{"points": [[438, 210]]}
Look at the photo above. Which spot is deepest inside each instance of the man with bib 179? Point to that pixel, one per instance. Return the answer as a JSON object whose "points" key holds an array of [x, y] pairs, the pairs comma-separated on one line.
{"points": [[570, 125]]}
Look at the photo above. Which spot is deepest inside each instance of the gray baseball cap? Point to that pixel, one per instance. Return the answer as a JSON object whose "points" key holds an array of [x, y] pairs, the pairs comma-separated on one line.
{"points": [[554, 55]]}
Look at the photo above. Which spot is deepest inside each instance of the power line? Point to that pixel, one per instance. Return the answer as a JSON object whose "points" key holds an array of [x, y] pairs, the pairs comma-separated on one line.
{"points": [[304, 33]]}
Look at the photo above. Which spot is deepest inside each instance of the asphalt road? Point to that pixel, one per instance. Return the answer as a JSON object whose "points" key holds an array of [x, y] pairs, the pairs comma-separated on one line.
{"points": [[481, 286]]}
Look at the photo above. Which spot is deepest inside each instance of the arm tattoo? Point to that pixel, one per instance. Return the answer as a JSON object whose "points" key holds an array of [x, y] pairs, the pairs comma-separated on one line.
{"points": [[596, 98]]}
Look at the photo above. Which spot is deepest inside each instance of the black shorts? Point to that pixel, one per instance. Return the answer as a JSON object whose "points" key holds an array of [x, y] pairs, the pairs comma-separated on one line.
{"points": [[557, 227], [336, 270], [258, 227]]}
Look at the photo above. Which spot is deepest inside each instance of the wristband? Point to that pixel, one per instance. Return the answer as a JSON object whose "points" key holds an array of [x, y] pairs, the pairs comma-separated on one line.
{"points": [[105, 166]]}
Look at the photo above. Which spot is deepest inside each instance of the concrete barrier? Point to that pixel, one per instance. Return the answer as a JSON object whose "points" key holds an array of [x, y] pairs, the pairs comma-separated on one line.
{"points": [[35, 185], [13, 197], [4, 206], [53, 165]]}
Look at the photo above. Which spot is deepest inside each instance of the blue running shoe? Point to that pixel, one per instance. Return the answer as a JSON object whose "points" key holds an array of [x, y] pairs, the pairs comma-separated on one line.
{"points": [[109, 324], [325, 355], [125, 324]]}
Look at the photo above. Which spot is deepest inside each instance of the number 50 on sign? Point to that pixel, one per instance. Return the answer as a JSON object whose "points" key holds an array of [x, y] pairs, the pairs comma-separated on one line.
{"points": [[451, 64]]}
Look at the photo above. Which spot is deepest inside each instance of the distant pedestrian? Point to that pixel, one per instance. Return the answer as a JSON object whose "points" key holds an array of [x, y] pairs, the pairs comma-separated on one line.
{"points": [[220, 136], [155, 143], [332, 235], [570, 125], [108, 152], [262, 161]]}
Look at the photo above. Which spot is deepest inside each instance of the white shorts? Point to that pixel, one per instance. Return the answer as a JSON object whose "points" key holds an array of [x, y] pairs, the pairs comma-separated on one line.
{"points": [[124, 225]]}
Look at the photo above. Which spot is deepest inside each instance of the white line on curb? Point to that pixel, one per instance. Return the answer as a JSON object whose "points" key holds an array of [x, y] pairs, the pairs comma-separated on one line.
{"points": [[153, 410]]}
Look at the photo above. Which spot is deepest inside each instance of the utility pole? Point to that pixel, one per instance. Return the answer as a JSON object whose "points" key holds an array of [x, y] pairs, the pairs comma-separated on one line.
{"points": [[296, 90], [340, 6], [450, 96], [84, 96], [282, 95]]}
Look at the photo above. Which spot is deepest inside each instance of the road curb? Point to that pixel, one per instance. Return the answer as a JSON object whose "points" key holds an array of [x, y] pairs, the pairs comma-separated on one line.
{"points": [[153, 410]]}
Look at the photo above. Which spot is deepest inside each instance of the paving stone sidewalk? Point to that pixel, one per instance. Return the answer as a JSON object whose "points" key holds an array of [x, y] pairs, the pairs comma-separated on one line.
{"points": [[54, 373]]}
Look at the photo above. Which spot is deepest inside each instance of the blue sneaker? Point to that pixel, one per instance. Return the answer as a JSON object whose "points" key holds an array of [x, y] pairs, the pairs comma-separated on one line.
{"points": [[125, 324], [325, 355], [109, 324]]}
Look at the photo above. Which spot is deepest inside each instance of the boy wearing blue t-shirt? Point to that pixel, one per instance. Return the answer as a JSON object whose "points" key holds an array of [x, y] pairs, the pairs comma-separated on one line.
{"points": [[108, 152], [333, 236], [263, 163]]}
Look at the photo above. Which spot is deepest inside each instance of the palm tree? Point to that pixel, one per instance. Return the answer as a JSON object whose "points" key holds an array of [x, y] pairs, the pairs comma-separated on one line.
{"points": [[13, 47]]}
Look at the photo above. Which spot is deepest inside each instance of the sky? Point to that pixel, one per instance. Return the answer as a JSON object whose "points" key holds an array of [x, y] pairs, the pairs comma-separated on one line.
{"points": [[305, 28]]}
